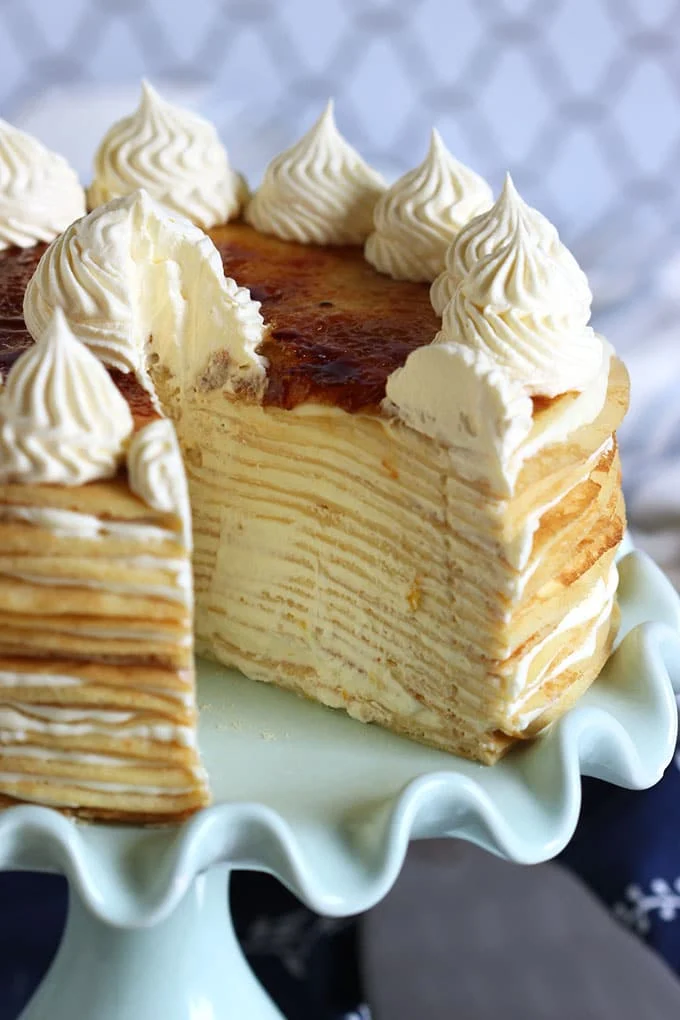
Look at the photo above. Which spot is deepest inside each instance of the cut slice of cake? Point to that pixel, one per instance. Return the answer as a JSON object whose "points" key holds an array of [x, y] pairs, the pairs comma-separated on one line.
{"points": [[97, 690]]}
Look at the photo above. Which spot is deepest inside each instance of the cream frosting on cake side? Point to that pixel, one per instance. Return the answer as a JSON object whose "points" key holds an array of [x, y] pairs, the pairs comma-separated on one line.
{"points": [[587, 618], [40, 195], [175, 155], [156, 472], [320, 191], [67, 523], [460, 397], [419, 216], [128, 277]]}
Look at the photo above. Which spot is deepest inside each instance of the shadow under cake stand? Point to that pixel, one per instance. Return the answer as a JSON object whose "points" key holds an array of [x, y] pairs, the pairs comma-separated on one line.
{"points": [[328, 806]]}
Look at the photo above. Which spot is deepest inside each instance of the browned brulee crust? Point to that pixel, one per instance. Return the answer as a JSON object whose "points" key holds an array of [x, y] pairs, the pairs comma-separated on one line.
{"points": [[137, 397], [337, 328], [17, 266]]}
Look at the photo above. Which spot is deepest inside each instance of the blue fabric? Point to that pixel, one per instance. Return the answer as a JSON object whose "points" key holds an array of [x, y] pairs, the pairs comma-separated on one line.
{"points": [[32, 912], [627, 849]]}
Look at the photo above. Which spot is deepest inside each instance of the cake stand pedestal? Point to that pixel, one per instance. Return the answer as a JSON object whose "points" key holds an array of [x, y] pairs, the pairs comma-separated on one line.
{"points": [[327, 806], [187, 966]]}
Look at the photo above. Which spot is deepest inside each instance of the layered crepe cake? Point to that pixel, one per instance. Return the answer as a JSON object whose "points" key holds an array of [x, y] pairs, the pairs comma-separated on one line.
{"points": [[96, 665], [405, 500]]}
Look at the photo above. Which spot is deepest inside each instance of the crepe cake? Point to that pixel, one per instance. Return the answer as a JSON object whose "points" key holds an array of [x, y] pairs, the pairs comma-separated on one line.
{"points": [[408, 516], [346, 549]]}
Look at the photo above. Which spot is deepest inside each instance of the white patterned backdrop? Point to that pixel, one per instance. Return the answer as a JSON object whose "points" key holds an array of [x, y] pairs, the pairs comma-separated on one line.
{"points": [[579, 98]]}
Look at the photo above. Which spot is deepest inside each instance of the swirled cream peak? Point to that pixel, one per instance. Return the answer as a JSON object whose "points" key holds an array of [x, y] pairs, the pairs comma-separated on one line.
{"points": [[62, 420], [156, 472], [320, 191], [493, 229], [526, 310], [172, 153], [417, 219], [40, 195], [515, 328], [138, 283]]}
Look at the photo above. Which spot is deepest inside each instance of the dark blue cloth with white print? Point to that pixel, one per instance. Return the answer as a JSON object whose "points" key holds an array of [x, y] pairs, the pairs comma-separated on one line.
{"points": [[626, 848]]}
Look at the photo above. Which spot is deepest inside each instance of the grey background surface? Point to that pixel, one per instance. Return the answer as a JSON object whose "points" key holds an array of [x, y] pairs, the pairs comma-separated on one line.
{"points": [[464, 936]]}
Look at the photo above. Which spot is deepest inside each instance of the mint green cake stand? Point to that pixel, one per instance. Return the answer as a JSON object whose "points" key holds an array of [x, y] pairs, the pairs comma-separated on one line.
{"points": [[328, 806]]}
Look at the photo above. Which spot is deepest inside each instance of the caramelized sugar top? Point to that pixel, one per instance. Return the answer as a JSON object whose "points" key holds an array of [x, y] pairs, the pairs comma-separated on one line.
{"points": [[139, 400], [17, 266], [337, 328]]}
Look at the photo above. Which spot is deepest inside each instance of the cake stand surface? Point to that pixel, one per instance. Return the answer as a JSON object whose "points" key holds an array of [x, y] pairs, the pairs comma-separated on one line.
{"points": [[328, 806]]}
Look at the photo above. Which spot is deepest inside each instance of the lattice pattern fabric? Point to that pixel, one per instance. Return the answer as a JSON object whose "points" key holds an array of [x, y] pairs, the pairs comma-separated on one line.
{"points": [[578, 97]]}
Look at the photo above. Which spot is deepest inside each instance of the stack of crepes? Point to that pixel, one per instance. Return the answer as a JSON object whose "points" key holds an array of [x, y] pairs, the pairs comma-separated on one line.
{"points": [[347, 561], [96, 608]]}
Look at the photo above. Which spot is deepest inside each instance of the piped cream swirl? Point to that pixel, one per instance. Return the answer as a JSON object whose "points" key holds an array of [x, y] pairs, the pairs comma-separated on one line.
{"points": [[174, 154], [320, 191], [137, 282], [527, 311], [40, 195], [422, 213], [493, 229], [515, 328], [62, 420]]}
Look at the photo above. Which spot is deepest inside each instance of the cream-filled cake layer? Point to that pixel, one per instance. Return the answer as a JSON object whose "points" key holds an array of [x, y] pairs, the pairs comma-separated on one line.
{"points": [[343, 556], [97, 704]]}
